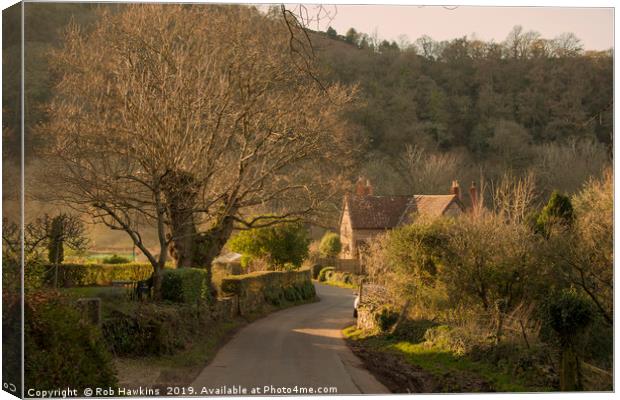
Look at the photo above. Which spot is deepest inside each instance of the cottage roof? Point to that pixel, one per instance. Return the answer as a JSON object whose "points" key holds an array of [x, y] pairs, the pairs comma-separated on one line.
{"points": [[386, 212]]}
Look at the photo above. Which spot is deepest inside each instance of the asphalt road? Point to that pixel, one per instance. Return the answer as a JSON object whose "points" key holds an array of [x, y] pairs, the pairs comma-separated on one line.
{"points": [[300, 347]]}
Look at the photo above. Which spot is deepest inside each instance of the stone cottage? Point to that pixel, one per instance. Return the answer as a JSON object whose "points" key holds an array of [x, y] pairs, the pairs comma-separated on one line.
{"points": [[365, 215]]}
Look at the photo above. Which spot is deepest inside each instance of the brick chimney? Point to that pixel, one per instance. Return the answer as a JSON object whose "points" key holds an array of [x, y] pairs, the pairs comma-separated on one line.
{"points": [[363, 187], [360, 188], [456, 189], [473, 194], [369, 189]]}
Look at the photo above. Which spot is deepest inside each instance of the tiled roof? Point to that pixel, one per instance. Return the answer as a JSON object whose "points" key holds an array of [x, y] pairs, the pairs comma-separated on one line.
{"points": [[386, 212], [376, 212]]}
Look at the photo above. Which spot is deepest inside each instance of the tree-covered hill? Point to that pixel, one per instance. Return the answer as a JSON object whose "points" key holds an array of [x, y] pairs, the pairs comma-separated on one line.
{"points": [[461, 105], [453, 92], [521, 104]]}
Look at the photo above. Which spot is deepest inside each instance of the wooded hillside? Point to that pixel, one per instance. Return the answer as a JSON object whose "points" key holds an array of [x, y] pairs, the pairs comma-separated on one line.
{"points": [[525, 103], [428, 112]]}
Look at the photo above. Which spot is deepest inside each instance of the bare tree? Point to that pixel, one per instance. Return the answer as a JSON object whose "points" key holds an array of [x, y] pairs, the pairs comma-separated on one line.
{"points": [[43, 233], [586, 158], [513, 197], [567, 45], [428, 172], [193, 119]]}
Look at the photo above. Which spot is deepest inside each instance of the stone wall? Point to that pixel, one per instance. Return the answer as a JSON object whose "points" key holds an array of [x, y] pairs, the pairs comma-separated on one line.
{"points": [[372, 302], [225, 308], [244, 295], [366, 318], [258, 290]]}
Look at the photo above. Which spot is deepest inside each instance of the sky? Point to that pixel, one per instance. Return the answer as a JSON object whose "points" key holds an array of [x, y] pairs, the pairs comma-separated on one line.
{"points": [[594, 26]]}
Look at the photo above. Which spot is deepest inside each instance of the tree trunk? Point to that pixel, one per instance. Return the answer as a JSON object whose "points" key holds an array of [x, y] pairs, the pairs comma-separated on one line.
{"points": [[56, 262], [209, 244], [570, 374], [157, 278], [180, 192], [183, 234], [499, 329], [188, 247], [401, 317]]}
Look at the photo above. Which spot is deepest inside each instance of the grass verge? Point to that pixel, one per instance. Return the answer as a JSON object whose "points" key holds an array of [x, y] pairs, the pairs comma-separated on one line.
{"points": [[443, 370], [182, 367], [338, 284]]}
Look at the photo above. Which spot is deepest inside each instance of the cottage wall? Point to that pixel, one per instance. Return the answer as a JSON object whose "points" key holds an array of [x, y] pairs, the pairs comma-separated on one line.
{"points": [[353, 239], [358, 238], [346, 236]]}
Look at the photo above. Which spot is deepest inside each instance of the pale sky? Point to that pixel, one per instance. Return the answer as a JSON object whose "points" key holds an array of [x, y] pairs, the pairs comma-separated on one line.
{"points": [[594, 26]]}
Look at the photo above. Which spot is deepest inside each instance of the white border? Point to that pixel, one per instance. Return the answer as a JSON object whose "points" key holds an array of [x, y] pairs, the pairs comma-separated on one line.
{"points": [[566, 3]]}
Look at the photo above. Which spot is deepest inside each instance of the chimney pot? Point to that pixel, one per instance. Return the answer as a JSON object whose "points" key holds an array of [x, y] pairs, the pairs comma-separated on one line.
{"points": [[369, 188], [473, 194], [455, 189], [363, 187]]}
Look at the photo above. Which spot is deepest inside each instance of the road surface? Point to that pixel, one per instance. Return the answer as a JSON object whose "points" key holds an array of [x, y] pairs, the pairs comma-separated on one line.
{"points": [[293, 351]]}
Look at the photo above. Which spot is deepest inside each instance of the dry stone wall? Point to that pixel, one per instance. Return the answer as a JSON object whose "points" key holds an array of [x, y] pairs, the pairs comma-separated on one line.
{"points": [[259, 290]]}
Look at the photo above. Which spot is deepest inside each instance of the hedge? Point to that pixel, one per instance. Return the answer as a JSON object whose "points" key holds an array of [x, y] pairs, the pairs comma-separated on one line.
{"points": [[235, 284], [330, 245], [269, 287], [70, 275], [186, 285], [315, 269], [148, 329], [62, 349], [343, 277], [324, 274]]}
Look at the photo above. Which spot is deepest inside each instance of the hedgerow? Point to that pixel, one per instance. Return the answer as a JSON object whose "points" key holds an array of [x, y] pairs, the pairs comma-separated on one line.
{"points": [[325, 272], [61, 348], [70, 275], [275, 287], [186, 285]]}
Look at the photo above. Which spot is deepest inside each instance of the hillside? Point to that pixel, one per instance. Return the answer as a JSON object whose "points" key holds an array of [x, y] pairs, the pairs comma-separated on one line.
{"points": [[469, 106], [425, 114]]}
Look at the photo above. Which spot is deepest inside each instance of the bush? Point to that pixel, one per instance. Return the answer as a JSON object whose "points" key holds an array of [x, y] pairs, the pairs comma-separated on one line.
{"points": [[115, 259], [323, 275], [237, 284], [61, 349], [315, 270], [60, 231], [70, 275], [558, 210], [152, 329], [343, 277], [314, 254], [271, 287], [281, 244], [186, 285], [147, 329], [568, 314], [386, 317], [11, 336], [448, 338], [330, 245]]}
